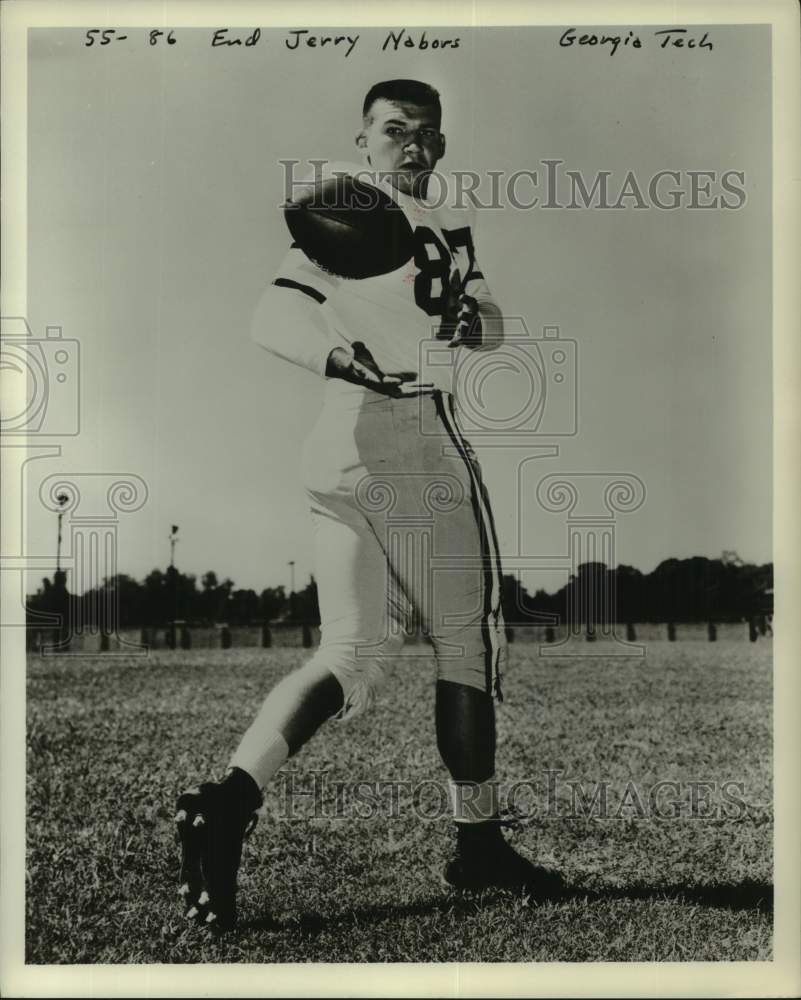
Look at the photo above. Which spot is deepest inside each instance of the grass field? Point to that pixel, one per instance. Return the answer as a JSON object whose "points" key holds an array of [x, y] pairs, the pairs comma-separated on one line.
{"points": [[112, 741]]}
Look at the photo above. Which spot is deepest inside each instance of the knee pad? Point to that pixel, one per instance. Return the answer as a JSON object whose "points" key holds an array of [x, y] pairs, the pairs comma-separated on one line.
{"points": [[482, 662], [361, 670]]}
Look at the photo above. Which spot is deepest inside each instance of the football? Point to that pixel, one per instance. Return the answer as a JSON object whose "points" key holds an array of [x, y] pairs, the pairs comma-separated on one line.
{"points": [[349, 227]]}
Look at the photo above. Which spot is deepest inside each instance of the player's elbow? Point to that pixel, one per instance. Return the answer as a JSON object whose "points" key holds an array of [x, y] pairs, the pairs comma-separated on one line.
{"points": [[262, 322], [290, 326]]}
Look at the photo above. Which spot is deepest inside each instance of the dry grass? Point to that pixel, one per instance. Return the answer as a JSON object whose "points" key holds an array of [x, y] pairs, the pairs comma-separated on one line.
{"points": [[112, 741]]}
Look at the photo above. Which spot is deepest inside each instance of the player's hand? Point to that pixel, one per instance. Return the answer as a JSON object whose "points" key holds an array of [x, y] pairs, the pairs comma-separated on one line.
{"points": [[461, 321], [363, 370]]}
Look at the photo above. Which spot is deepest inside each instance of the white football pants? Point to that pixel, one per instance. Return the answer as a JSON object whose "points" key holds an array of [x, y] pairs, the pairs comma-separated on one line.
{"points": [[403, 532]]}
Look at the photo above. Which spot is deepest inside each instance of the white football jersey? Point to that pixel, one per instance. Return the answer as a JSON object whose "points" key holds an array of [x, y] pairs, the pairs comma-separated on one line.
{"points": [[397, 315]]}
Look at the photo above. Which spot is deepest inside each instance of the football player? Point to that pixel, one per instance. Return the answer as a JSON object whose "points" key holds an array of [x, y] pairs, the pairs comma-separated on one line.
{"points": [[367, 462]]}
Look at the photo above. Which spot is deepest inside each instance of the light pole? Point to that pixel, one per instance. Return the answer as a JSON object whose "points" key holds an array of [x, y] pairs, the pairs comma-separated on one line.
{"points": [[172, 589], [60, 596], [292, 599], [61, 500], [173, 542]]}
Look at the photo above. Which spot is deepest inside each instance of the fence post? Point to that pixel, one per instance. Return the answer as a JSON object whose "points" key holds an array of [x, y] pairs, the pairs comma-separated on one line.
{"points": [[266, 636], [712, 632], [631, 633], [671, 632], [225, 637], [186, 637]]}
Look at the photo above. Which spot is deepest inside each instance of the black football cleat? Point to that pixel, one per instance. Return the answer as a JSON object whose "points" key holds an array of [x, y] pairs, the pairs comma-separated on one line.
{"points": [[500, 866], [211, 831]]}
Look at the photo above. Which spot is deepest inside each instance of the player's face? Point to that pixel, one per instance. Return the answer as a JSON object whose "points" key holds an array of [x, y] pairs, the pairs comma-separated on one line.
{"points": [[403, 141]]}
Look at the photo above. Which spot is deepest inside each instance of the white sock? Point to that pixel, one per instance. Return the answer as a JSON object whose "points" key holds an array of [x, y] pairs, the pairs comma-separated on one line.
{"points": [[473, 801], [261, 755]]}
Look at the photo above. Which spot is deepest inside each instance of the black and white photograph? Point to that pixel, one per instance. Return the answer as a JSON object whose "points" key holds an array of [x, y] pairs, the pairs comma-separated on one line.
{"points": [[397, 559]]}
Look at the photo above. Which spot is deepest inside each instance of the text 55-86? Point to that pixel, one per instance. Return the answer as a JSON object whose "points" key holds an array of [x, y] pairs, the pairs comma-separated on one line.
{"points": [[109, 35]]}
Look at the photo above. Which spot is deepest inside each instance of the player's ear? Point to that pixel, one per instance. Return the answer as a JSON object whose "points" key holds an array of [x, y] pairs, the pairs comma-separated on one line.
{"points": [[441, 146], [361, 145]]}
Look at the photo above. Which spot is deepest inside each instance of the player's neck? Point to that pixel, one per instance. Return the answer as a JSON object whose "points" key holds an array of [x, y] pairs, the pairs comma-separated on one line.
{"points": [[418, 198]]}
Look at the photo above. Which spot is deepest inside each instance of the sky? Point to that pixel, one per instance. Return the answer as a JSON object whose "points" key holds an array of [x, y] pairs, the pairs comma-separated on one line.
{"points": [[154, 186]]}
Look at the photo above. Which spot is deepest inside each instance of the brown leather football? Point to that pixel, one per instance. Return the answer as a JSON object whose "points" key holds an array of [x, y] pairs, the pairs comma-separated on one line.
{"points": [[349, 227]]}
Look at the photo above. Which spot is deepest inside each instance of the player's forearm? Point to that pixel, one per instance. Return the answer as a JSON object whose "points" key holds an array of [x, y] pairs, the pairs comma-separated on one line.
{"points": [[293, 327]]}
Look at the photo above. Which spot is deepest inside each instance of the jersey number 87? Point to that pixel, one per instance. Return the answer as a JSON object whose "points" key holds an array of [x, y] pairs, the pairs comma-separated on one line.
{"points": [[434, 260]]}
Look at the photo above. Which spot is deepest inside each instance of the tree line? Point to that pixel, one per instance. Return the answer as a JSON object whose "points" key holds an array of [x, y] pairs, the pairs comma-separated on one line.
{"points": [[678, 590]]}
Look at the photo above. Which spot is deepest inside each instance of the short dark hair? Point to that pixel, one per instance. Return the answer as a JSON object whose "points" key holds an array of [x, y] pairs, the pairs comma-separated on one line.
{"points": [[412, 91]]}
